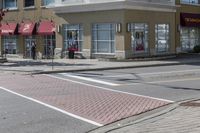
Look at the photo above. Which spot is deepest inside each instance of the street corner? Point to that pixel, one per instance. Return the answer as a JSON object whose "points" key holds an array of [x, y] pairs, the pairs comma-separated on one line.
{"points": [[177, 117], [193, 103]]}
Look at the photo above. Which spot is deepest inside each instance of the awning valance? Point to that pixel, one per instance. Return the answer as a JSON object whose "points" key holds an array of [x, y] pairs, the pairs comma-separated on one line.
{"points": [[46, 28], [26, 28], [8, 29]]}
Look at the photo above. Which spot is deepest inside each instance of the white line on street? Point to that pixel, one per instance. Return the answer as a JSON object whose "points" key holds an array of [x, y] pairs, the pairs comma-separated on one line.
{"points": [[166, 81], [89, 79], [169, 72], [52, 107], [107, 89]]}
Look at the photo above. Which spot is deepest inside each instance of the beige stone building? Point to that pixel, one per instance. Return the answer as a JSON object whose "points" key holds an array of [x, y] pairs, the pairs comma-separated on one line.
{"points": [[99, 28]]}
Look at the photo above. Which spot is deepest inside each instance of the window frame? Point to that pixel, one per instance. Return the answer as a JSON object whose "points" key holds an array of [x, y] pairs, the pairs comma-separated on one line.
{"points": [[187, 37], [10, 8], [6, 41], [111, 41], [29, 7], [80, 40], [167, 38], [190, 2], [47, 5], [133, 30]]}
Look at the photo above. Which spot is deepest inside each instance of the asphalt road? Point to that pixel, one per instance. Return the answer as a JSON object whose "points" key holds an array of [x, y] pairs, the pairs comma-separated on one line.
{"points": [[19, 115], [174, 83], [22, 115]]}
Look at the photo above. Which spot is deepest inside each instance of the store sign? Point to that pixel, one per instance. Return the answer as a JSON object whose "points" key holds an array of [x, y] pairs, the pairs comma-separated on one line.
{"points": [[190, 20]]}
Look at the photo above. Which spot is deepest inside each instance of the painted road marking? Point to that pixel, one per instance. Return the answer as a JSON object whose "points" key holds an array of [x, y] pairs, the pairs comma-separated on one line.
{"points": [[107, 89], [166, 81], [154, 73], [52, 107], [169, 72], [90, 79]]}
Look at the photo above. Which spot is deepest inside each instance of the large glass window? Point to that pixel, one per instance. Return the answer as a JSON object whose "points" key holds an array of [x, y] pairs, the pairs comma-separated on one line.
{"points": [[190, 1], [139, 37], [73, 37], [10, 4], [47, 2], [162, 37], [49, 46], [29, 3], [29, 42], [190, 37], [10, 44], [103, 38]]}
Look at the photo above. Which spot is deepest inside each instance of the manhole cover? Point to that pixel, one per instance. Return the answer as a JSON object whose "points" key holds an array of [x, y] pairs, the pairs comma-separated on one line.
{"points": [[192, 103]]}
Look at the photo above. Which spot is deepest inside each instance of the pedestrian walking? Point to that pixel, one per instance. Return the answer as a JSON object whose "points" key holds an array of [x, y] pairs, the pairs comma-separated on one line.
{"points": [[33, 51]]}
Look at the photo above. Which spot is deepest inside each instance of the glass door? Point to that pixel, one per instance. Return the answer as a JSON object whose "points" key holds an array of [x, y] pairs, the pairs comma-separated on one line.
{"points": [[49, 46], [29, 42]]}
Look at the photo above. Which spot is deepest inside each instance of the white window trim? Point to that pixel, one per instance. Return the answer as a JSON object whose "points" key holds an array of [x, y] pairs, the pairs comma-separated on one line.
{"points": [[156, 40], [80, 29], [133, 29], [102, 53]]}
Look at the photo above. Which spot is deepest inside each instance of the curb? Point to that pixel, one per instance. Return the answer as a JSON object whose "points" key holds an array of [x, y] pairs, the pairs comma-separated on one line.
{"points": [[144, 117], [113, 68]]}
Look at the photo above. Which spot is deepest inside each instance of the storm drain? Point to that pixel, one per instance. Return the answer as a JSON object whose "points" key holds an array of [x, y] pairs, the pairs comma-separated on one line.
{"points": [[191, 104]]}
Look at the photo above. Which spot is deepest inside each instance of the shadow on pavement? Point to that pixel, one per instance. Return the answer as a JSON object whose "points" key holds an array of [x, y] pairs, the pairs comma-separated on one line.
{"points": [[40, 63]]}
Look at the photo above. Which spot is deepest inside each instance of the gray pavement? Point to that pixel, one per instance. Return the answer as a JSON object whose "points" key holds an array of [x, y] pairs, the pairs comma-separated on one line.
{"points": [[176, 118]]}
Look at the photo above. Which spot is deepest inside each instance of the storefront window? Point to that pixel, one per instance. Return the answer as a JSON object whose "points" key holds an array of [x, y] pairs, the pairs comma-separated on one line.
{"points": [[73, 37], [29, 42], [139, 37], [162, 37], [103, 38], [28, 3], [49, 46], [190, 37], [190, 1], [10, 4], [10, 44]]}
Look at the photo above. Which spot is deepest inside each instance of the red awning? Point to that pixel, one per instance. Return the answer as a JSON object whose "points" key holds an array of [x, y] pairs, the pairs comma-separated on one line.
{"points": [[46, 28], [8, 29], [26, 28]]}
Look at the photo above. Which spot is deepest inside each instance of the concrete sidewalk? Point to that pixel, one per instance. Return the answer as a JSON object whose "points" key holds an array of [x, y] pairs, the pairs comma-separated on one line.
{"points": [[177, 118], [66, 65]]}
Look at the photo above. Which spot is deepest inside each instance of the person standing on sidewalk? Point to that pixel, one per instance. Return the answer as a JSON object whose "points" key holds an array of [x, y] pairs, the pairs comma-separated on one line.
{"points": [[33, 51]]}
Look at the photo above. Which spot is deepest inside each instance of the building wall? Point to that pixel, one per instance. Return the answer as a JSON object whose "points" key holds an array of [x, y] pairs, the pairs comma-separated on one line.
{"points": [[89, 18], [121, 16], [33, 14], [151, 18], [183, 8]]}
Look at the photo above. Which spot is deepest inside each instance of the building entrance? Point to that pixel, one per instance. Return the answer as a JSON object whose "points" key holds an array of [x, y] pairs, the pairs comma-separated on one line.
{"points": [[49, 46], [29, 42]]}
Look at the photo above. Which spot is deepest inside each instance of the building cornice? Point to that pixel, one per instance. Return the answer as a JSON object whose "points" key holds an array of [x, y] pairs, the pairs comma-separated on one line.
{"points": [[119, 5]]}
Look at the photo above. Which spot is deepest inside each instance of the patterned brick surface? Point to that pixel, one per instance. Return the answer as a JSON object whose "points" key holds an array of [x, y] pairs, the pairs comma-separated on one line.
{"points": [[181, 120], [92, 103]]}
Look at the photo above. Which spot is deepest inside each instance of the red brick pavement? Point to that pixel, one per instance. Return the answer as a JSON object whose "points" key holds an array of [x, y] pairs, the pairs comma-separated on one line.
{"points": [[101, 106]]}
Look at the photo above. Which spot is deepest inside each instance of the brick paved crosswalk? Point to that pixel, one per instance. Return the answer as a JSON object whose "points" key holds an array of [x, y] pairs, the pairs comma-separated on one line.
{"points": [[95, 104]]}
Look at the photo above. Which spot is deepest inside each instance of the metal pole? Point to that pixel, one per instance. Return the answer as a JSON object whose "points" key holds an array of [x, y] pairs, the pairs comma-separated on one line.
{"points": [[52, 57]]}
